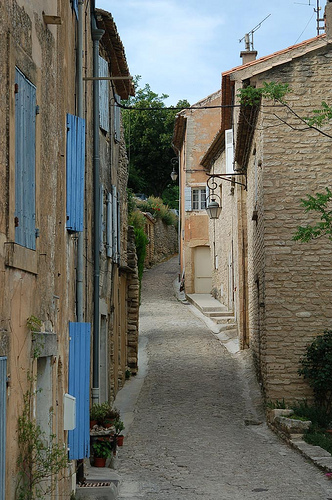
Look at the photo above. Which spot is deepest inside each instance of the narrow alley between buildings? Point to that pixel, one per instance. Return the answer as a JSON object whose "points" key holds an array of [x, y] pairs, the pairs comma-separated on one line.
{"points": [[198, 429]]}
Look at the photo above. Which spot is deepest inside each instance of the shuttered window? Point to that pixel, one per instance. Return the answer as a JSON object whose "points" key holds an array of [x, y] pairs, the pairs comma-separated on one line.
{"points": [[104, 117], [109, 226], [25, 159], [117, 118], [229, 149], [79, 387], [3, 400], [195, 198], [75, 172]]}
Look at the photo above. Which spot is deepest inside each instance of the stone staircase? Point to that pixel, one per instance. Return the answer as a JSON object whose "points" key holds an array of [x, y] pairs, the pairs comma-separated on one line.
{"points": [[217, 312]]}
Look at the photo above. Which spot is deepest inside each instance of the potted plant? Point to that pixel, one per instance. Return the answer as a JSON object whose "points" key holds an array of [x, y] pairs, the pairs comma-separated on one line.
{"points": [[119, 426], [112, 415], [103, 414], [101, 451]]}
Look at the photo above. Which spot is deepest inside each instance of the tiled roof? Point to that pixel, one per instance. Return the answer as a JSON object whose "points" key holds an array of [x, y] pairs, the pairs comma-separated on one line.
{"points": [[114, 46], [310, 44]]}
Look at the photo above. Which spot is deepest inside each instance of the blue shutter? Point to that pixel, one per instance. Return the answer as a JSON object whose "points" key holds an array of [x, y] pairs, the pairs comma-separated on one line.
{"points": [[75, 7], [117, 118], [104, 116], [75, 172], [25, 158], [109, 228], [79, 387], [101, 220], [3, 399], [187, 199]]}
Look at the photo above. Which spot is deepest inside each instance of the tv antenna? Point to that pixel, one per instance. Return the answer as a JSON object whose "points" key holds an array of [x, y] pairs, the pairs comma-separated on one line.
{"points": [[249, 37], [319, 20]]}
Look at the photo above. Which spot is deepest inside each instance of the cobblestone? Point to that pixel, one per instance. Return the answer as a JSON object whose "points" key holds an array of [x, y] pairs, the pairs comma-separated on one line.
{"points": [[197, 431]]}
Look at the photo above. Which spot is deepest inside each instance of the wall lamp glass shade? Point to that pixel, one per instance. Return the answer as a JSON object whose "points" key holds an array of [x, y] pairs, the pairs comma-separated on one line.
{"points": [[213, 209], [174, 175]]}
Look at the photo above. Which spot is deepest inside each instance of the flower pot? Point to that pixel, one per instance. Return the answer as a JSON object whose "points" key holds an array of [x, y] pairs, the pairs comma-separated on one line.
{"points": [[93, 423], [119, 440], [99, 462]]}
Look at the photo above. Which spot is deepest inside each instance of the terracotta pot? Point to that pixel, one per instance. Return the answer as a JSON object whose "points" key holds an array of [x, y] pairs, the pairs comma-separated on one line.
{"points": [[92, 423], [99, 462], [119, 440]]}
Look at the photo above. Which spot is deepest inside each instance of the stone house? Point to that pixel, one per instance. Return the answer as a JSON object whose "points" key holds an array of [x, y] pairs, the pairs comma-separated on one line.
{"points": [[69, 302], [193, 132], [279, 289]]}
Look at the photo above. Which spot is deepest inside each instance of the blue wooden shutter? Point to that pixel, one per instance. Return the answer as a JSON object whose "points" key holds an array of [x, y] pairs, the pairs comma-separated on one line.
{"points": [[79, 387], [25, 159], [229, 151], [187, 199], [75, 172], [109, 228], [117, 118], [3, 400], [75, 7], [115, 224], [104, 116]]}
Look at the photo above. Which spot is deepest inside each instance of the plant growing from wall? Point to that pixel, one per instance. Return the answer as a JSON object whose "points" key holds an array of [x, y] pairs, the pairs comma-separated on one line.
{"points": [[316, 367], [40, 458], [321, 205]]}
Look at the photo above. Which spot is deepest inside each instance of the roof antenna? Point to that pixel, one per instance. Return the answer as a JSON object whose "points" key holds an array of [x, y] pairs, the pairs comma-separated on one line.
{"points": [[319, 20], [249, 37]]}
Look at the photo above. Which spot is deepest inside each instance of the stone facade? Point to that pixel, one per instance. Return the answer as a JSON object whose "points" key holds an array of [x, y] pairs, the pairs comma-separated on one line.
{"points": [[41, 278], [280, 288], [194, 131], [163, 241]]}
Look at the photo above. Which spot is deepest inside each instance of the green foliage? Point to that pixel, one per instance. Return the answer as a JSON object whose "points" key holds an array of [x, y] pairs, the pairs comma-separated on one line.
{"points": [[156, 207], [34, 325], [316, 367], [102, 449], [103, 412], [170, 196], [313, 413], [251, 96], [148, 134], [137, 219], [321, 204], [281, 405], [119, 426], [320, 116], [141, 240], [41, 457], [319, 438]]}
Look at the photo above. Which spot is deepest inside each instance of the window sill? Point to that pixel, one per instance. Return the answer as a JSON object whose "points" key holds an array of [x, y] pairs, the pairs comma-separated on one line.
{"points": [[21, 258]]}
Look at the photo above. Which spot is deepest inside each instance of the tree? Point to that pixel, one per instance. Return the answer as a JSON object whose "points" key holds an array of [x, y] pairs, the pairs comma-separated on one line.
{"points": [[321, 205], [148, 126]]}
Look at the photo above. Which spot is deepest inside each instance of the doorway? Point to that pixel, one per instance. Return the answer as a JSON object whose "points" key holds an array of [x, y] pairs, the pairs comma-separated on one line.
{"points": [[203, 269]]}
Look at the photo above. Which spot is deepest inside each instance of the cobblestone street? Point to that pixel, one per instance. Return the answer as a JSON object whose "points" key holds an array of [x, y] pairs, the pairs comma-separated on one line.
{"points": [[198, 430]]}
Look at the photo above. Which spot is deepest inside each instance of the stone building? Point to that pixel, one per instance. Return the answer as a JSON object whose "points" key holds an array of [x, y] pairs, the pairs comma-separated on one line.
{"points": [[67, 278], [193, 132], [280, 289]]}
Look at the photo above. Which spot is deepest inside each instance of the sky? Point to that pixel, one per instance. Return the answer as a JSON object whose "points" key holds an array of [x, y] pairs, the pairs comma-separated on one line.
{"points": [[181, 47]]}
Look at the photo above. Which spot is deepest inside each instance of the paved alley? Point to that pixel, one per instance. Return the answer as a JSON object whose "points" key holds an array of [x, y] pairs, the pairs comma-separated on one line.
{"points": [[198, 430]]}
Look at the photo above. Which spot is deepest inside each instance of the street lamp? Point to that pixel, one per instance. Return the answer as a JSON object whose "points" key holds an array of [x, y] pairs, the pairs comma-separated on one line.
{"points": [[213, 208], [174, 175]]}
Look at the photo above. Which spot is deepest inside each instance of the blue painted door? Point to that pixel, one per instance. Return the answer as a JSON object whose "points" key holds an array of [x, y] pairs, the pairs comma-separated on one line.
{"points": [[79, 387]]}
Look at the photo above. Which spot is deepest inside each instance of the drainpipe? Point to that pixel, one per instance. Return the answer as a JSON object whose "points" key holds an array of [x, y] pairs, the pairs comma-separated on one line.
{"points": [[96, 36], [80, 241]]}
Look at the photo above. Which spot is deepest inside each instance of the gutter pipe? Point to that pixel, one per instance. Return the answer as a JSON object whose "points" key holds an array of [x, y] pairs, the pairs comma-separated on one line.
{"points": [[80, 241], [96, 36]]}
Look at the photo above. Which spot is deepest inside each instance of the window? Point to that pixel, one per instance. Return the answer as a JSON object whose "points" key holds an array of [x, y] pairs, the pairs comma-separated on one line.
{"points": [[117, 118], [75, 172], [25, 158], [198, 198], [103, 95], [229, 151]]}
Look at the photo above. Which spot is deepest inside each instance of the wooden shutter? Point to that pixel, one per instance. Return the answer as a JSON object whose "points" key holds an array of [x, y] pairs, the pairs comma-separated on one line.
{"points": [[25, 160], [109, 227], [3, 401], [104, 116], [101, 220], [79, 387], [117, 118], [75, 172], [187, 199], [115, 224], [229, 151]]}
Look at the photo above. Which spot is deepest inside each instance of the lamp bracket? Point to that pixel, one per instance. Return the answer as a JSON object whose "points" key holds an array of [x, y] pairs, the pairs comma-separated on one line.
{"points": [[211, 183]]}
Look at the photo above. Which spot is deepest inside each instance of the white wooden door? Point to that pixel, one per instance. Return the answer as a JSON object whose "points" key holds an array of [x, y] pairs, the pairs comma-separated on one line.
{"points": [[203, 270]]}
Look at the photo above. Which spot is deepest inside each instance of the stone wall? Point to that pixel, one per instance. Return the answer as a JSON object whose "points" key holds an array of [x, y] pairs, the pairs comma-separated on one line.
{"points": [[163, 242], [132, 304]]}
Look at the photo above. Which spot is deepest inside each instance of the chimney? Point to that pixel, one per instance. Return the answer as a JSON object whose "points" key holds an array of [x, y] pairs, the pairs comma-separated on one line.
{"points": [[328, 20], [248, 55]]}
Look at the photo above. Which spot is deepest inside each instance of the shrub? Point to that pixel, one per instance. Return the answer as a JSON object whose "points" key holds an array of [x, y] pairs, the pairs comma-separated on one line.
{"points": [[316, 367]]}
